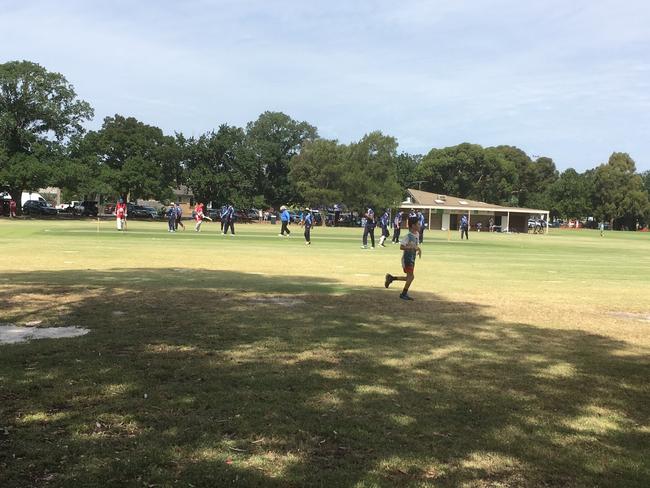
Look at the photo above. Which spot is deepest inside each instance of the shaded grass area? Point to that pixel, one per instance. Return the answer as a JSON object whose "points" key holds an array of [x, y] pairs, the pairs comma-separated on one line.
{"points": [[305, 381]]}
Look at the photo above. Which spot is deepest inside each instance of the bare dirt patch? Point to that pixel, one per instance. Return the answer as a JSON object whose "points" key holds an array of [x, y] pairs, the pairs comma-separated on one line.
{"points": [[643, 317], [281, 301], [11, 334]]}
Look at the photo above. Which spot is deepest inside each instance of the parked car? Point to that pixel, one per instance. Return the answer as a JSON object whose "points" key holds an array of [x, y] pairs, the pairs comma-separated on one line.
{"points": [[86, 208], [317, 216], [37, 207], [140, 212], [67, 207], [345, 220], [253, 214], [241, 216]]}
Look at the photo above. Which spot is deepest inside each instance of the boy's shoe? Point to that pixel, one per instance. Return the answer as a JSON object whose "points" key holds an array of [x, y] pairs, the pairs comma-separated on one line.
{"points": [[404, 296], [389, 280], [364, 247], [280, 235], [308, 243], [383, 245], [372, 248]]}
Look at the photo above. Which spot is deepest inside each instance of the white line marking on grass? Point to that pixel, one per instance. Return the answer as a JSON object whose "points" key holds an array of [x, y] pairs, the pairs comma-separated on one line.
{"points": [[362, 275]]}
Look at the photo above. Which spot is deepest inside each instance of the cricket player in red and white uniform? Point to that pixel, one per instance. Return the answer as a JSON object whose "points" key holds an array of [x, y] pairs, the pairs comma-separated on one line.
{"points": [[198, 216], [120, 214]]}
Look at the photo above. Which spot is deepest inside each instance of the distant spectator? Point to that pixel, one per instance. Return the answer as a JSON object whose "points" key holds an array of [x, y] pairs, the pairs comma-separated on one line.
{"points": [[12, 208]]}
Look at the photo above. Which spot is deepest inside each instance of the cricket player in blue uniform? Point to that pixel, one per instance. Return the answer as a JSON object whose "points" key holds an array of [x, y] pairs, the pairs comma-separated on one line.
{"points": [[369, 229], [422, 226], [397, 227], [229, 220], [308, 222], [171, 218], [384, 222]]}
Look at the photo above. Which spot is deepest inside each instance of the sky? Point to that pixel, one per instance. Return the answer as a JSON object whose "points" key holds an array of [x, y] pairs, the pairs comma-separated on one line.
{"points": [[566, 80]]}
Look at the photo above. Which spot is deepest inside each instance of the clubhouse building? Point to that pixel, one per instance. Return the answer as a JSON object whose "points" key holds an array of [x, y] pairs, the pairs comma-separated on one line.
{"points": [[443, 212]]}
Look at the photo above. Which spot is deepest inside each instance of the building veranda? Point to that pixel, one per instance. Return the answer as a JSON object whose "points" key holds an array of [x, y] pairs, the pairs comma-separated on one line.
{"points": [[443, 212]]}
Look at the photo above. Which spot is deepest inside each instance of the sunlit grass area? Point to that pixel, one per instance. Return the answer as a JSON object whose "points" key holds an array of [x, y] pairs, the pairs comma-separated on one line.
{"points": [[255, 360]]}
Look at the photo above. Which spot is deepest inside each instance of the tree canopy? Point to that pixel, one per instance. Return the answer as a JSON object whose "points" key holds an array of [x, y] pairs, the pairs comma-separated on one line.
{"points": [[276, 160]]}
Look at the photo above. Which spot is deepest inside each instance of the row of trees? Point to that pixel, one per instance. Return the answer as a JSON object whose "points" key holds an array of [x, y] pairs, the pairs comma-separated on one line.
{"points": [[275, 160]]}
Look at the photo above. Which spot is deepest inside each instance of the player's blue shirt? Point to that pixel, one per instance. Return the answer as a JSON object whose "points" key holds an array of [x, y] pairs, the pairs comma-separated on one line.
{"points": [[421, 219], [308, 221], [285, 216], [384, 220], [224, 209], [230, 212], [463, 222], [171, 213], [370, 218], [408, 258]]}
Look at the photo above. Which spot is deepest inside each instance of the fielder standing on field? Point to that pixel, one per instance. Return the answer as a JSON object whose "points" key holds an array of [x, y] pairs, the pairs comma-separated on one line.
{"points": [[120, 214], [369, 229], [308, 222], [229, 221], [198, 216]]}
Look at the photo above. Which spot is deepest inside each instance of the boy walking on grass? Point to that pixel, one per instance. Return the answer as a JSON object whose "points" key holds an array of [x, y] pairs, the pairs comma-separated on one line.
{"points": [[410, 246]]}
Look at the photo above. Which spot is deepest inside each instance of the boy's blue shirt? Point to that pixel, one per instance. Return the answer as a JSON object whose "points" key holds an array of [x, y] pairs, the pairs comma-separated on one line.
{"points": [[308, 221], [285, 216]]}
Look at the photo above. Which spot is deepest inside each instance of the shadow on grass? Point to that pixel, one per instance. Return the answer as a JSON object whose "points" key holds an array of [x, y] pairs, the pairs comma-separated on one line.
{"points": [[299, 381]]}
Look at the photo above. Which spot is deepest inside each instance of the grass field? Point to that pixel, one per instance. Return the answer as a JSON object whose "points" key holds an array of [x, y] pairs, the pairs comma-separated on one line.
{"points": [[257, 361]]}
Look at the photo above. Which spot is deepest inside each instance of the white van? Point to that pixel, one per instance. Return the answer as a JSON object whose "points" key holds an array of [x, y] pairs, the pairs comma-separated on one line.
{"points": [[26, 196]]}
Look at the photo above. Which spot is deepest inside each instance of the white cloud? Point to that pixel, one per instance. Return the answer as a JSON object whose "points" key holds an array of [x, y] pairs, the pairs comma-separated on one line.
{"points": [[569, 80]]}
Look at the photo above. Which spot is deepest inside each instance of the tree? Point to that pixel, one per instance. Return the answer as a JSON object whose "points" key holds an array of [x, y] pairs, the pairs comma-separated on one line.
{"points": [[274, 139], [39, 110], [406, 166], [571, 195], [221, 168], [646, 181], [133, 158], [370, 176], [469, 171], [619, 194], [317, 172], [544, 174]]}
